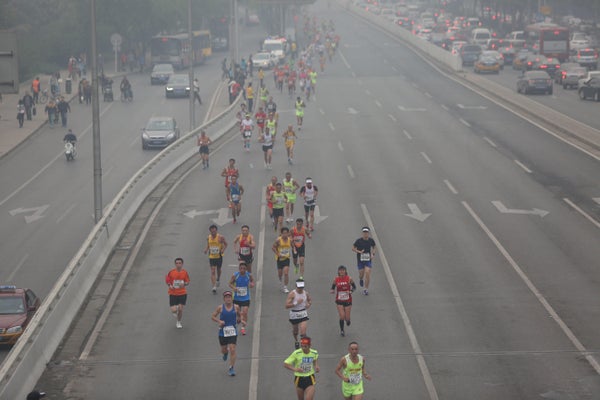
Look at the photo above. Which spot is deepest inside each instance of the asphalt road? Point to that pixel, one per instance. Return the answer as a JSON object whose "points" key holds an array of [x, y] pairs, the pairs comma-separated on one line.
{"points": [[484, 287]]}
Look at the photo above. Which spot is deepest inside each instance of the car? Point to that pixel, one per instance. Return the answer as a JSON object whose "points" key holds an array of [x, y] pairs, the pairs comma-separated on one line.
{"points": [[470, 53], [159, 132], [558, 78], [486, 63], [548, 64], [532, 61], [590, 89], [508, 54], [586, 58], [534, 81], [220, 44], [264, 60], [178, 86], [579, 40], [17, 307], [456, 46], [161, 73], [495, 54], [569, 76], [519, 59], [590, 75]]}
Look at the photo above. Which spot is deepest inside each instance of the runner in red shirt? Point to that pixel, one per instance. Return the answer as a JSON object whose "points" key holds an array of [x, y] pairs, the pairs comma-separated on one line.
{"points": [[260, 118], [229, 171], [343, 286], [177, 279], [299, 234]]}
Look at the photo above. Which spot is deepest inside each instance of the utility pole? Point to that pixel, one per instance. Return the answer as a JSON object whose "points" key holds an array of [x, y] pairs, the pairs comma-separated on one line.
{"points": [[96, 122], [192, 58]]}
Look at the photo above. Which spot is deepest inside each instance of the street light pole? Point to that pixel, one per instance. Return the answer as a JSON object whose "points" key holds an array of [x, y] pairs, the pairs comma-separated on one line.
{"points": [[192, 57], [96, 122]]}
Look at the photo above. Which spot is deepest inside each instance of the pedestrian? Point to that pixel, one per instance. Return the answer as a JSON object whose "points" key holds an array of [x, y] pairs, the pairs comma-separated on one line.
{"points": [[203, 142], [35, 89], [250, 96], [63, 107], [51, 111], [87, 92], [304, 363], [177, 279], [20, 113], [197, 91], [250, 66], [227, 315], [234, 90], [351, 370], [241, 282], [29, 105], [364, 247], [215, 247], [343, 286], [298, 302]]}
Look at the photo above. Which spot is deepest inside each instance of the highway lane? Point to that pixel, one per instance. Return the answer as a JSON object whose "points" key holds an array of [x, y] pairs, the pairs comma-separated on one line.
{"points": [[488, 291]]}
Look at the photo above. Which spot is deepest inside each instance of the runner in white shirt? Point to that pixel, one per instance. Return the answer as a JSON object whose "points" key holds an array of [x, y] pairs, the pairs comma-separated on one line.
{"points": [[246, 127]]}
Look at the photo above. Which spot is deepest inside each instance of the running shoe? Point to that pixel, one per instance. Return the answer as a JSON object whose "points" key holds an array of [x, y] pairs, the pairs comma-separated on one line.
{"points": [[296, 269], [178, 325], [214, 290], [225, 356], [342, 334], [243, 330], [285, 289], [231, 371], [361, 282], [296, 345], [366, 292]]}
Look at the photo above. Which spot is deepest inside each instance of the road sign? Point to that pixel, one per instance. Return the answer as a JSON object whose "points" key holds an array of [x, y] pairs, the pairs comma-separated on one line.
{"points": [[116, 40]]}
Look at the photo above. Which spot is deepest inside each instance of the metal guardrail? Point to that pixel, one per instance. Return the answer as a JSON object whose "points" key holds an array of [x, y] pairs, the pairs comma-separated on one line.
{"points": [[28, 358]]}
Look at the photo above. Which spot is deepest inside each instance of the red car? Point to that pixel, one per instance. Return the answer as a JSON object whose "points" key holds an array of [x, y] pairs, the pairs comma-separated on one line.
{"points": [[17, 307]]}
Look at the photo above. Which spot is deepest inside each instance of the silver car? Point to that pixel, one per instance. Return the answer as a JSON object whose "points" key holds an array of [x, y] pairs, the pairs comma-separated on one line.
{"points": [[264, 60], [161, 73], [159, 132]]}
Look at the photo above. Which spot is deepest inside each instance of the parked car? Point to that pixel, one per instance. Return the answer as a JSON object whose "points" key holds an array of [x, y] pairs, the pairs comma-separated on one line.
{"points": [[470, 53], [586, 58], [487, 63], [590, 89], [159, 132], [178, 86], [17, 307], [534, 81], [161, 74]]}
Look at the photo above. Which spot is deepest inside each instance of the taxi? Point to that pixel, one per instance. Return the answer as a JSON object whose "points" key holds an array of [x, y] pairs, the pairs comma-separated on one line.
{"points": [[17, 307], [487, 63]]}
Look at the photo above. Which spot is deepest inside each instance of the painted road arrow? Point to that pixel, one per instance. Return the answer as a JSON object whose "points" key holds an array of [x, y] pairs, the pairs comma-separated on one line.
{"points": [[194, 213], [223, 217], [402, 108], [318, 216], [471, 107], [37, 212], [352, 111], [504, 210], [416, 213]]}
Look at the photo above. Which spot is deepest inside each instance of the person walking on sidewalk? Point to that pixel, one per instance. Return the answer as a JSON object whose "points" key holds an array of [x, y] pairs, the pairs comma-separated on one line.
{"points": [[20, 113], [63, 107], [197, 91], [51, 111], [28, 103], [35, 89]]}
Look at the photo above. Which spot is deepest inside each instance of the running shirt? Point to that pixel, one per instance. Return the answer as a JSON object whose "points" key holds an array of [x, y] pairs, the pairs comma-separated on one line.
{"points": [[278, 199], [298, 236], [300, 359], [242, 284], [229, 172], [343, 288], [353, 372], [235, 193], [284, 248], [245, 249], [365, 245], [299, 311], [288, 188], [260, 118], [247, 126], [270, 191], [230, 319], [272, 125], [178, 280], [215, 246], [309, 195], [267, 138]]}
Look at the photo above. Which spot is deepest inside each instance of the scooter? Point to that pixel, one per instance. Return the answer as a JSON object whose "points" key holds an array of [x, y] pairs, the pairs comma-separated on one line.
{"points": [[70, 151]]}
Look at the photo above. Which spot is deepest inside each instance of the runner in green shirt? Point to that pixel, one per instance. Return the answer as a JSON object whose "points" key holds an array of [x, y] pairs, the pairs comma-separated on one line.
{"points": [[351, 370], [304, 364]]}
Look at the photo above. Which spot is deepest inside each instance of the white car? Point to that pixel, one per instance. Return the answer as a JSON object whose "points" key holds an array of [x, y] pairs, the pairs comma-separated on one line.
{"points": [[590, 75], [579, 41], [264, 60]]}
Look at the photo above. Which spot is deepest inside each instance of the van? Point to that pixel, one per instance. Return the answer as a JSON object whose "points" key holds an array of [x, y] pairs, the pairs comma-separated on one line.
{"points": [[516, 39], [480, 36], [275, 47]]}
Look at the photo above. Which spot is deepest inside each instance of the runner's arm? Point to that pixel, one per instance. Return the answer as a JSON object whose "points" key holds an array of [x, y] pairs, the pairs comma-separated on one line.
{"points": [[338, 369]]}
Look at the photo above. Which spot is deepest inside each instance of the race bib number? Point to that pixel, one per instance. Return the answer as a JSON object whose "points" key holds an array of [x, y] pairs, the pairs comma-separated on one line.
{"points": [[306, 367], [242, 291], [215, 250], [344, 295], [365, 256], [235, 197], [284, 252], [178, 283], [247, 134], [354, 379], [279, 200], [299, 240], [229, 331], [245, 251], [298, 314], [229, 178]]}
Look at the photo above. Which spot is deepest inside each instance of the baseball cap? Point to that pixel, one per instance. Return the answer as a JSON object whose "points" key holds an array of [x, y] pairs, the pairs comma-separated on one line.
{"points": [[366, 229], [36, 395], [308, 180], [227, 293]]}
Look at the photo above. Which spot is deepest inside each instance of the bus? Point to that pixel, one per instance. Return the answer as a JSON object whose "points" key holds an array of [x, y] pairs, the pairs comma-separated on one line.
{"points": [[548, 39], [175, 49]]}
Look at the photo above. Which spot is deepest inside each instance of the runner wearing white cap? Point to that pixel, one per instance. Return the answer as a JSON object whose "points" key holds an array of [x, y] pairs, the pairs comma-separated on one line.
{"points": [[298, 302], [309, 193]]}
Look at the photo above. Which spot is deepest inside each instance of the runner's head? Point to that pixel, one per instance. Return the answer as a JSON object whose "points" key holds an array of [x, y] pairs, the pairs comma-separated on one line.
{"points": [[278, 186], [365, 231], [288, 175], [309, 182], [231, 162], [299, 222], [245, 229], [213, 229], [353, 348], [273, 180], [300, 284], [179, 263], [285, 231], [305, 343], [227, 296], [243, 267], [342, 270]]}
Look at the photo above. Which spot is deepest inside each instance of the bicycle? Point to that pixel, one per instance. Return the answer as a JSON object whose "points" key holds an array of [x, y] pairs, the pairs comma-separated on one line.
{"points": [[43, 98]]}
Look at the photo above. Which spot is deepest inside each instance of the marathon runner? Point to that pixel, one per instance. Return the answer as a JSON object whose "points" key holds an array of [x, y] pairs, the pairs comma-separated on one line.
{"points": [[303, 362], [234, 195], [227, 316], [290, 187], [177, 279], [298, 302], [343, 286], [299, 234], [351, 370], [309, 193], [364, 247], [283, 250], [244, 245], [215, 247], [241, 282], [229, 171]]}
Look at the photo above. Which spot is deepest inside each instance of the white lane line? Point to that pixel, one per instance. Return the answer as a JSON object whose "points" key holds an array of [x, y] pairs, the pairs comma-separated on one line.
{"points": [[350, 171], [331, 126], [257, 303], [487, 139], [407, 134], [345, 62], [445, 107], [17, 268], [321, 111], [368, 92], [520, 164], [392, 117], [452, 189], [340, 146], [426, 157], [596, 199], [400, 304], [378, 103], [462, 121], [580, 211], [354, 74], [45, 167], [63, 215], [427, 94], [563, 326]]}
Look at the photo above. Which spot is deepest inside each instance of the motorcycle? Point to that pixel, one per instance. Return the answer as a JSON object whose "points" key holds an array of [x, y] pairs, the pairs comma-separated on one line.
{"points": [[70, 151], [107, 91], [127, 94]]}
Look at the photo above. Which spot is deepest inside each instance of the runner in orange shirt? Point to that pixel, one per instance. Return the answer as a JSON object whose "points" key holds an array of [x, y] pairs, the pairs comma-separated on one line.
{"points": [[177, 279]]}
